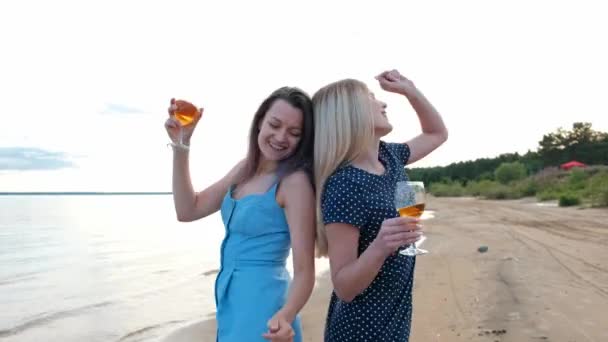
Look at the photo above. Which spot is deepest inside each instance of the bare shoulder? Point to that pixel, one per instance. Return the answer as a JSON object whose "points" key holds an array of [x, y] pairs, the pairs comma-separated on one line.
{"points": [[240, 165], [236, 170], [297, 179], [295, 185]]}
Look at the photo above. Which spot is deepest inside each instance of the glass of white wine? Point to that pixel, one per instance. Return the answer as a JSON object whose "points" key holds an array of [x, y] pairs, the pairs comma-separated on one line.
{"points": [[185, 113], [410, 199]]}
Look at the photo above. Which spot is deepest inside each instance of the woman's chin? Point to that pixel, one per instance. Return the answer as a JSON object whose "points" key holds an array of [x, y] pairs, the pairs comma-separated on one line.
{"points": [[383, 131]]}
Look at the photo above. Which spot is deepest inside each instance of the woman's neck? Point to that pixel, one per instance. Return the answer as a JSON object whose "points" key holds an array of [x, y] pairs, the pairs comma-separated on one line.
{"points": [[266, 167], [368, 159]]}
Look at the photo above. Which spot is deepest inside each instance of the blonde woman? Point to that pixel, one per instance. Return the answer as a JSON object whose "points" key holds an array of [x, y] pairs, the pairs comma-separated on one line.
{"points": [[359, 229]]}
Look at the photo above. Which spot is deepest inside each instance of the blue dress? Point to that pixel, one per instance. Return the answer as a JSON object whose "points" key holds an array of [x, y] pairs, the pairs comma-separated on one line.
{"points": [[383, 311], [252, 283]]}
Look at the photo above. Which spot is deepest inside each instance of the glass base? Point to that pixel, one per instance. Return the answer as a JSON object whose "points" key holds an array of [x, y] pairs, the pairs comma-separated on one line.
{"points": [[413, 250]]}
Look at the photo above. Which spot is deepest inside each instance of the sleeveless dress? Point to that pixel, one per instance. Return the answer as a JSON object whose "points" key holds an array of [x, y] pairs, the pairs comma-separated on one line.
{"points": [[252, 283]]}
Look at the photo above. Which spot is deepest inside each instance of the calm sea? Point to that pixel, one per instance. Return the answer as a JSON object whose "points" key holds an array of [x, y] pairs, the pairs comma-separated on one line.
{"points": [[102, 268]]}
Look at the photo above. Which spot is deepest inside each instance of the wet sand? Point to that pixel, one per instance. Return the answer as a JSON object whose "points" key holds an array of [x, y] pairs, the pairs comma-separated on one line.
{"points": [[544, 276]]}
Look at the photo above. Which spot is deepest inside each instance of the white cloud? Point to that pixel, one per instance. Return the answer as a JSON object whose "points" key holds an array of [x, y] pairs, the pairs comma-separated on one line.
{"points": [[20, 159]]}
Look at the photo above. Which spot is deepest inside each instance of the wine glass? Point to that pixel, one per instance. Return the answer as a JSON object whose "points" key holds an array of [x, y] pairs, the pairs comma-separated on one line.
{"points": [[184, 113], [410, 200]]}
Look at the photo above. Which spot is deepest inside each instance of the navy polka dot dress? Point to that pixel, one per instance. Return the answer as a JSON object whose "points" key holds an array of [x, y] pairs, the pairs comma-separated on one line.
{"points": [[383, 311]]}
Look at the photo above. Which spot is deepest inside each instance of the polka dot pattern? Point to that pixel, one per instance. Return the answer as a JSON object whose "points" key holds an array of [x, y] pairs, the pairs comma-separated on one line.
{"points": [[383, 311]]}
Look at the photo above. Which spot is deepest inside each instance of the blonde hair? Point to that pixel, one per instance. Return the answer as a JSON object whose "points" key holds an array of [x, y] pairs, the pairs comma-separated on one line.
{"points": [[344, 127]]}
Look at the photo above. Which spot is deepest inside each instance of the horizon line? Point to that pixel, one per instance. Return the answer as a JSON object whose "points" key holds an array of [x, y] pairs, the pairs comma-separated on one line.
{"points": [[9, 193]]}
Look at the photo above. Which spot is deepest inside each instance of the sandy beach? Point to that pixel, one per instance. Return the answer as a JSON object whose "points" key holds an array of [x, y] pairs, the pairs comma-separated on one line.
{"points": [[544, 276]]}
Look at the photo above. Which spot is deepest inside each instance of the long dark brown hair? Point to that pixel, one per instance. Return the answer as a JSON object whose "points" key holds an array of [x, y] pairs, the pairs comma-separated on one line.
{"points": [[302, 157]]}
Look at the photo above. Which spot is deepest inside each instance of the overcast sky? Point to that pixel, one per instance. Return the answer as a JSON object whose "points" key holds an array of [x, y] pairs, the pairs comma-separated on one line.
{"points": [[85, 84]]}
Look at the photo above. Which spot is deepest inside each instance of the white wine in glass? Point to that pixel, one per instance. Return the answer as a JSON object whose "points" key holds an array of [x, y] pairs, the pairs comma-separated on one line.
{"points": [[410, 200], [185, 113]]}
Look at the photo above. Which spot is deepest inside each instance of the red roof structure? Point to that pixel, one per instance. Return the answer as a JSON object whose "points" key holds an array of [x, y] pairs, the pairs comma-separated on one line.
{"points": [[571, 164]]}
